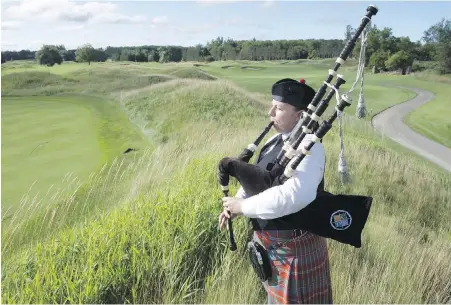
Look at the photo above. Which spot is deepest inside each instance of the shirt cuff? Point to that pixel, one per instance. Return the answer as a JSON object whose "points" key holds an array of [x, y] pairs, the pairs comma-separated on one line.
{"points": [[250, 205]]}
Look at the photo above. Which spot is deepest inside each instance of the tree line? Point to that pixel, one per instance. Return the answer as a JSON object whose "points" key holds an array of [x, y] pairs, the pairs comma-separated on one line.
{"points": [[384, 51]]}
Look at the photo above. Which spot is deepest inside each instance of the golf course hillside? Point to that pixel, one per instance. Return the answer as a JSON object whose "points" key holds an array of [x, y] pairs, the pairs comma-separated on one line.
{"points": [[110, 191]]}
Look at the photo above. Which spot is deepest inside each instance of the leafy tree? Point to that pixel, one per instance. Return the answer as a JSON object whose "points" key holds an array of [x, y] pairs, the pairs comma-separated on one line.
{"points": [[85, 53], [141, 56], [350, 31], [69, 55], [124, 55], [378, 59], [444, 57], [163, 55], [400, 60], [438, 37], [209, 59], [174, 54], [99, 55], [153, 56], [116, 56], [404, 44], [49, 55], [439, 32]]}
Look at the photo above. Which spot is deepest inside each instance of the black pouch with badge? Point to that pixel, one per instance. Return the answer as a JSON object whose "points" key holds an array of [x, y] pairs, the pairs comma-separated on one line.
{"points": [[259, 260]]}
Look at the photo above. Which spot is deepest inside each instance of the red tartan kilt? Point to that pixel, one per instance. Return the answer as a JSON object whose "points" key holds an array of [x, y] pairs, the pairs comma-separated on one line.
{"points": [[300, 267]]}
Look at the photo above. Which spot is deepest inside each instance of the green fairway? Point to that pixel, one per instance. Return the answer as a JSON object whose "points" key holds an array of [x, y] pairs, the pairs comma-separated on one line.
{"points": [[46, 138], [42, 140]]}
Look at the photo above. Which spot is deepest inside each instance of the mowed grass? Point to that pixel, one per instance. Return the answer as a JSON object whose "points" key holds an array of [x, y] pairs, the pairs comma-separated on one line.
{"points": [[45, 139], [160, 242], [431, 119]]}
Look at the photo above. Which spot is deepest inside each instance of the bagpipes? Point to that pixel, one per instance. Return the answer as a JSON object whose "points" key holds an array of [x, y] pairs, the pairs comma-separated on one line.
{"points": [[339, 217]]}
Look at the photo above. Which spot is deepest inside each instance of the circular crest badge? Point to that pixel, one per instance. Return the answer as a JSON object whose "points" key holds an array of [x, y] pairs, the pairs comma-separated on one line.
{"points": [[340, 220]]}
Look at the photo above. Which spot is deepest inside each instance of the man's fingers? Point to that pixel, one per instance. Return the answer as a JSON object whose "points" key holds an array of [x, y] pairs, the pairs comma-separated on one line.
{"points": [[223, 219], [225, 215]]}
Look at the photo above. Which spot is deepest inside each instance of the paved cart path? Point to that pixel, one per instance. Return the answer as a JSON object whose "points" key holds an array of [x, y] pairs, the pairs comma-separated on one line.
{"points": [[389, 123]]}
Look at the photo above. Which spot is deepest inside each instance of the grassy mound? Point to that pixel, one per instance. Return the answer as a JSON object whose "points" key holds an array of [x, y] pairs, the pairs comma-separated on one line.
{"points": [[15, 64], [98, 81], [163, 111], [185, 72], [119, 78], [35, 79]]}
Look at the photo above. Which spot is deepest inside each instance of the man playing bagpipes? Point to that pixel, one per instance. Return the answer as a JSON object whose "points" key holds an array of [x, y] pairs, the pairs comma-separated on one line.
{"points": [[299, 259], [283, 193]]}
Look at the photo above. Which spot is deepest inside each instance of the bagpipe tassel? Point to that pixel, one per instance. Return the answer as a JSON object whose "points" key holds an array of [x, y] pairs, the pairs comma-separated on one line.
{"points": [[345, 177], [361, 109], [343, 171]]}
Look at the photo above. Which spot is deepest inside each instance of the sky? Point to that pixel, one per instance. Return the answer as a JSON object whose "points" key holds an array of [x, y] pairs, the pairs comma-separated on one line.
{"points": [[28, 24]]}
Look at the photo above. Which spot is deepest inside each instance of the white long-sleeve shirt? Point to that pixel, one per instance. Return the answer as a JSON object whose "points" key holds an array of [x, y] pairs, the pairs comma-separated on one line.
{"points": [[295, 194]]}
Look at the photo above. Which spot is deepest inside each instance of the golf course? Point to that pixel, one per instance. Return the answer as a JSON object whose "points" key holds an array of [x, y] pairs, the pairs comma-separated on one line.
{"points": [[110, 190]]}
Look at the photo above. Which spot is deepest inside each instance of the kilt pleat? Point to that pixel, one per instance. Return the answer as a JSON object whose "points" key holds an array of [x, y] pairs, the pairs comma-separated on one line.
{"points": [[300, 267]]}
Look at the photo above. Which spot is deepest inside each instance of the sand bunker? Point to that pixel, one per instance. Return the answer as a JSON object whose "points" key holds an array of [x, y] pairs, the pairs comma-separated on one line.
{"points": [[251, 68]]}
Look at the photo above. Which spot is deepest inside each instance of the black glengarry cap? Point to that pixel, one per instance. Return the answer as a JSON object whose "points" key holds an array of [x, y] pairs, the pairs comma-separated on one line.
{"points": [[293, 92]]}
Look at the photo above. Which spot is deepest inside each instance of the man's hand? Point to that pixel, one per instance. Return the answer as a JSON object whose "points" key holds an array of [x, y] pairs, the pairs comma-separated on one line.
{"points": [[223, 218], [233, 205]]}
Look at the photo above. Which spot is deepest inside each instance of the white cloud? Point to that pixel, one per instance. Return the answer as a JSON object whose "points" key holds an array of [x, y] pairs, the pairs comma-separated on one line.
{"points": [[7, 45], [231, 21], [160, 20], [11, 25], [268, 3], [198, 28], [75, 27], [108, 17], [212, 2], [184, 29], [65, 10]]}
